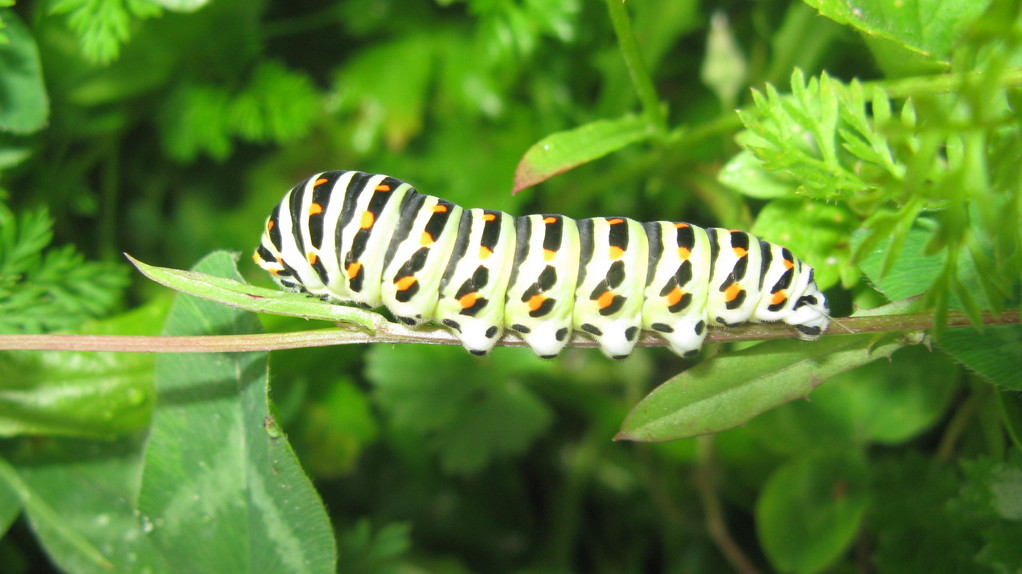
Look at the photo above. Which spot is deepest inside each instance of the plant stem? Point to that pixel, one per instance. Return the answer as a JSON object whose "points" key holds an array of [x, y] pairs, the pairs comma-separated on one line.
{"points": [[396, 333], [641, 80]]}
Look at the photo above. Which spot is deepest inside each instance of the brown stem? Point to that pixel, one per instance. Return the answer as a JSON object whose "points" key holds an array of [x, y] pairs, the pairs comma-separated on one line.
{"points": [[395, 333]]}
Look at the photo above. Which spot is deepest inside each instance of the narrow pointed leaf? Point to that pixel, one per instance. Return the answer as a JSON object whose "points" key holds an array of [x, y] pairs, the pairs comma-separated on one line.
{"points": [[559, 152], [728, 390], [240, 295]]}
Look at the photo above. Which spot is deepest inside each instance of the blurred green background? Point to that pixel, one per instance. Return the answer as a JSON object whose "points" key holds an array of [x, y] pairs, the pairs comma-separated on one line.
{"points": [[168, 129]]}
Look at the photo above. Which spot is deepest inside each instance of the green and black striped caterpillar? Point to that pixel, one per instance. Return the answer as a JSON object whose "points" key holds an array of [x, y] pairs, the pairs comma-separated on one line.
{"points": [[374, 241]]}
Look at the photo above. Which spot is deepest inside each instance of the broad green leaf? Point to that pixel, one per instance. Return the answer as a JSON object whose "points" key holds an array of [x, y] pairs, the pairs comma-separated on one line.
{"points": [[240, 295], [78, 393], [79, 499], [730, 389], [996, 353], [221, 488], [559, 152], [467, 410], [745, 173], [24, 105], [914, 271], [810, 510], [930, 26]]}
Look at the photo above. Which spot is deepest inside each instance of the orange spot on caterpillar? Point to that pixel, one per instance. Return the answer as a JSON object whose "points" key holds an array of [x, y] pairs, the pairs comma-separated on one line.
{"points": [[675, 296], [320, 181], [549, 219], [680, 225], [312, 257], [439, 208], [616, 252], [732, 291], [382, 187], [368, 219], [315, 208], [426, 239], [468, 299], [258, 260], [405, 282], [489, 217], [549, 254], [485, 252], [536, 301], [684, 253], [740, 252], [778, 297], [615, 221], [269, 225], [788, 263], [353, 269], [273, 271], [605, 300]]}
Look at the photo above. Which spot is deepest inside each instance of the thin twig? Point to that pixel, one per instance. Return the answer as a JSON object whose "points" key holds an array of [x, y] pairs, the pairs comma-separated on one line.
{"points": [[396, 333]]}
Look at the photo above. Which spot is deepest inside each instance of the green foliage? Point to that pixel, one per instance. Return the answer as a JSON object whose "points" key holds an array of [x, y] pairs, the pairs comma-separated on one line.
{"points": [[276, 105], [169, 128], [47, 290], [103, 25]]}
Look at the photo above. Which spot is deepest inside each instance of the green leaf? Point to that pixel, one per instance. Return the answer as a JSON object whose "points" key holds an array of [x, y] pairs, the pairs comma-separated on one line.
{"points": [[468, 410], [724, 70], [10, 506], [24, 104], [728, 390], [559, 152], [914, 272], [259, 299], [930, 26], [996, 353], [81, 394], [103, 25], [746, 174], [217, 468], [810, 510]]}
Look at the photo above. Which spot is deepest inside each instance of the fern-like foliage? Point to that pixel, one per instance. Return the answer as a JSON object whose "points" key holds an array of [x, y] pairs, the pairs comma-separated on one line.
{"points": [[898, 166], [44, 290], [276, 105], [103, 25]]}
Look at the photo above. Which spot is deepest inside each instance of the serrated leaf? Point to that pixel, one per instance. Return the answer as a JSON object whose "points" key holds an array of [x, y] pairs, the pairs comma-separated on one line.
{"points": [[251, 298], [562, 151], [903, 21], [24, 103], [745, 173], [217, 467], [728, 390], [810, 510], [996, 353]]}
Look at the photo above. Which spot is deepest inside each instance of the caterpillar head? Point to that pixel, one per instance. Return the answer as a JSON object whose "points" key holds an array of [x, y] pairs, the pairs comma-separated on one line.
{"points": [[810, 315]]}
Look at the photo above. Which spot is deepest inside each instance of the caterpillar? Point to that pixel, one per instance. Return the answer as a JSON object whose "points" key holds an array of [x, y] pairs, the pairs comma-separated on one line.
{"points": [[374, 241]]}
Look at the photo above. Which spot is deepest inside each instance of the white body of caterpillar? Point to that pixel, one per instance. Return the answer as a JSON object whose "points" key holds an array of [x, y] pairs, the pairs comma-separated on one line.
{"points": [[374, 241]]}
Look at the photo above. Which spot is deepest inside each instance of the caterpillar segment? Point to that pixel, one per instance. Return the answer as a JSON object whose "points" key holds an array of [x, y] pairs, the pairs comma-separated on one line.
{"points": [[374, 241], [544, 273]]}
